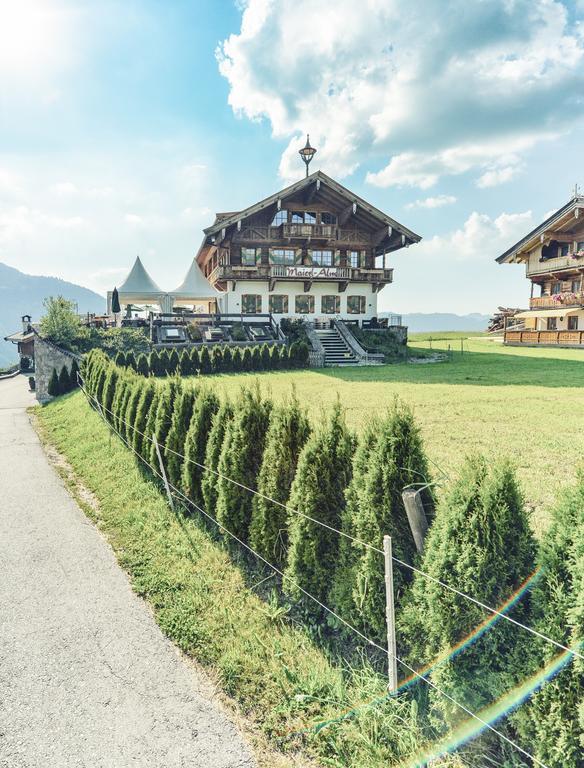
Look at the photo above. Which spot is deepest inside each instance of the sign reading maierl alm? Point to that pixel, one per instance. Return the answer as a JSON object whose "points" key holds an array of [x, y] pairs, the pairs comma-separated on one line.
{"points": [[314, 272]]}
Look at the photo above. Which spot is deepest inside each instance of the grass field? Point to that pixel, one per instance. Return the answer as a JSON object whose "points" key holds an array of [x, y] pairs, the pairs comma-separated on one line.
{"points": [[527, 404]]}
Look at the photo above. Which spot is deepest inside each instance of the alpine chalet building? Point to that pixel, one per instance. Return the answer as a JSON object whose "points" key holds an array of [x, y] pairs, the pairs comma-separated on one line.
{"points": [[313, 250]]}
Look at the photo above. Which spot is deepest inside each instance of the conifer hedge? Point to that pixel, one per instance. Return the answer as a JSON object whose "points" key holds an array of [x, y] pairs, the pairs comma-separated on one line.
{"points": [[213, 451], [175, 442], [199, 430]]}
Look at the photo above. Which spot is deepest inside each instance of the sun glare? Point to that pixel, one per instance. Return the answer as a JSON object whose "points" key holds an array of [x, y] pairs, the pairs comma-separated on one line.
{"points": [[31, 37]]}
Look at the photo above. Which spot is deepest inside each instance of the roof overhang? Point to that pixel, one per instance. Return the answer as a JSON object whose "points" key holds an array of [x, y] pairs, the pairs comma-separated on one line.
{"points": [[546, 313]]}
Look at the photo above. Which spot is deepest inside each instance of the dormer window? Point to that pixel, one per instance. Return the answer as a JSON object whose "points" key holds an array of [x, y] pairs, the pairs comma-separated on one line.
{"points": [[281, 217]]}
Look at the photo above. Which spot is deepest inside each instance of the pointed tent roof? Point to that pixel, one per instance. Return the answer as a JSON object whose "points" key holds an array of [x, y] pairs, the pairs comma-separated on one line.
{"points": [[139, 282], [195, 285]]}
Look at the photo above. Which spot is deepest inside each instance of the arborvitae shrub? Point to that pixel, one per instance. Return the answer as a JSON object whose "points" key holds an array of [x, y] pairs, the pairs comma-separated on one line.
{"points": [[318, 491], [99, 379], [131, 409], [173, 362], [240, 460], [120, 411], [163, 420], [212, 455], [118, 394], [303, 354], [266, 357], [186, 365], [293, 354], [109, 390], [274, 357], [396, 460], [142, 365], [288, 431], [64, 380], [198, 435], [74, 380], [216, 359], [236, 359], [120, 359], [227, 359], [256, 359], [163, 362], [204, 360], [175, 442], [146, 447], [480, 542], [551, 723], [53, 387], [154, 363], [130, 360], [284, 357], [143, 407], [246, 360], [195, 365]]}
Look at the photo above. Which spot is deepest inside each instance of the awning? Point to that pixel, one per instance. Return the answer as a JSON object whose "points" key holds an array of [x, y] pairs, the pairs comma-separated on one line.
{"points": [[548, 313]]}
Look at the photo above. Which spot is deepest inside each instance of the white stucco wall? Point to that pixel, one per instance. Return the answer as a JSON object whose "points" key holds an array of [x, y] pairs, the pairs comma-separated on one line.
{"points": [[231, 301]]}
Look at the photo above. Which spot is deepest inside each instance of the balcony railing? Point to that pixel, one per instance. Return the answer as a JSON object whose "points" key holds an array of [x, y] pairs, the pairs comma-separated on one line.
{"points": [[557, 301], [559, 264], [569, 338], [300, 272], [302, 232]]}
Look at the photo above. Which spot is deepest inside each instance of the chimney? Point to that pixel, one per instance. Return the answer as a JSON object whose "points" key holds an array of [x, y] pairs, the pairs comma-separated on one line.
{"points": [[25, 323]]}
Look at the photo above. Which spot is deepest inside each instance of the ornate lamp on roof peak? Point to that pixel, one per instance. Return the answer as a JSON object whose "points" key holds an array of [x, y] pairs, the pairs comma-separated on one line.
{"points": [[307, 153]]}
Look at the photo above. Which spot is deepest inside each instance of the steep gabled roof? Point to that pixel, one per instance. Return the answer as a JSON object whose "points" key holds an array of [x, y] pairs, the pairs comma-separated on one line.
{"points": [[576, 202], [195, 285], [350, 197], [139, 282]]}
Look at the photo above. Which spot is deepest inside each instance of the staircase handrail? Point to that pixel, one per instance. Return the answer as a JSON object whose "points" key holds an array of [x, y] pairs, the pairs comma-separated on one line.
{"points": [[354, 345]]}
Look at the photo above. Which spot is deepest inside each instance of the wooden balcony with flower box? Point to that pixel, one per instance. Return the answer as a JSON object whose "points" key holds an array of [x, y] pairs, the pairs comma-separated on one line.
{"points": [[557, 301], [543, 338]]}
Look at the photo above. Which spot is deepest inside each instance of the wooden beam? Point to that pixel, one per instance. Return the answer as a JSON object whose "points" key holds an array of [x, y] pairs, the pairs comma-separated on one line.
{"points": [[380, 235], [311, 192], [346, 213]]}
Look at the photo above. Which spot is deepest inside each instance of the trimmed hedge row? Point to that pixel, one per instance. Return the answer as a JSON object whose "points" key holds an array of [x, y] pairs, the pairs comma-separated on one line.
{"points": [[63, 382], [216, 359], [479, 538]]}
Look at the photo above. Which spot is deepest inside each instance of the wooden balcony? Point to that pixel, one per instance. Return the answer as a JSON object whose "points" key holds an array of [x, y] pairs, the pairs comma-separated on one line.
{"points": [[559, 264], [378, 277], [548, 302], [548, 338], [289, 232]]}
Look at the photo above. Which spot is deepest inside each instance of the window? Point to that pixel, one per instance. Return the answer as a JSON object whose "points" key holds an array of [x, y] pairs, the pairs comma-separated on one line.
{"points": [[309, 217], [322, 258], [297, 217], [353, 259], [281, 217], [304, 304], [575, 286], [356, 305], [282, 256], [251, 303], [328, 218], [278, 304], [552, 323], [580, 246], [564, 249], [250, 256], [556, 287], [330, 305], [572, 322]]}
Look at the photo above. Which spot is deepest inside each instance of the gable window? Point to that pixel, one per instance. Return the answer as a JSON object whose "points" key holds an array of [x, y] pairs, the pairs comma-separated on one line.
{"points": [[356, 305], [330, 305], [250, 256], [251, 303], [282, 256], [281, 217], [353, 259], [564, 249], [572, 322], [297, 217], [309, 217], [328, 218], [322, 258], [278, 304], [304, 304], [552, 323]]}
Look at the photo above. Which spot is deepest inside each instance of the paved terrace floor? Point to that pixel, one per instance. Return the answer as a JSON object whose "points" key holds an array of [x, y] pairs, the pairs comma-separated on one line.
{"points": [[86, 677]]}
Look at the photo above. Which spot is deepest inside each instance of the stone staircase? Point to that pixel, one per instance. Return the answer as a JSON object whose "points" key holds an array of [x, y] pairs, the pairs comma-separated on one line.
{"points": [[336, 349]]}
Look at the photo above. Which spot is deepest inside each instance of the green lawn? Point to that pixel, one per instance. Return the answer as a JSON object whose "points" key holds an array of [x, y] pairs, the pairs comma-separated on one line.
{"points": [[524, 403]]}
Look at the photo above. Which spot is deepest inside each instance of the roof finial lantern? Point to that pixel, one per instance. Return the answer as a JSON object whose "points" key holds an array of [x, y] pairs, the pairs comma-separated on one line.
{"points": [[307, 152]]}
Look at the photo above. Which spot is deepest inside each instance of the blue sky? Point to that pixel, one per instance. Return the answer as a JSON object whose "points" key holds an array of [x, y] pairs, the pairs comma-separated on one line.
{"points": [[124, 126]]}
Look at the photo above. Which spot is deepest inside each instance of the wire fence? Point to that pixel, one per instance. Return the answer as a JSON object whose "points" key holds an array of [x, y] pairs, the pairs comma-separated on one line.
{"points": [[190, 504]]}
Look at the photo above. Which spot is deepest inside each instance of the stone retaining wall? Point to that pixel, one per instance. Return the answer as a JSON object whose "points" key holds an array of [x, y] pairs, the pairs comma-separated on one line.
{"points": [[48, 356]]}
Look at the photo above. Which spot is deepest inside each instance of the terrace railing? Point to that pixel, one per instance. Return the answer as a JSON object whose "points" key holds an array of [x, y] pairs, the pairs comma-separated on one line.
{"points": [[560, 338]]}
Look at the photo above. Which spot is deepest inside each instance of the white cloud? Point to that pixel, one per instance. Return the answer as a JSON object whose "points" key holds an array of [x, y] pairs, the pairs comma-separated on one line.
{"points": [[423, 89], [432, 202], [64, 189], [498, 176]]}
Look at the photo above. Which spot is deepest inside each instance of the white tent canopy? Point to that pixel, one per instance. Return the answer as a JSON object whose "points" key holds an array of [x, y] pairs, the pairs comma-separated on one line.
{"points": [[195, 287], [139, 287]]}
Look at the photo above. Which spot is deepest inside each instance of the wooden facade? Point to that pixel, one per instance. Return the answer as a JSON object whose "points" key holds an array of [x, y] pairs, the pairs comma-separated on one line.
{"points": [[314, 238]]}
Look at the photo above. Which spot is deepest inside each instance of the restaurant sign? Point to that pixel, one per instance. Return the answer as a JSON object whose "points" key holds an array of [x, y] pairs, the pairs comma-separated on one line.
{"points": [[315, 273]]}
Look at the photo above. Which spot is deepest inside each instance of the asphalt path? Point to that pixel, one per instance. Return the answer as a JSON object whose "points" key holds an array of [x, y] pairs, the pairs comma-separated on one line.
{"points": [[86, 677]]}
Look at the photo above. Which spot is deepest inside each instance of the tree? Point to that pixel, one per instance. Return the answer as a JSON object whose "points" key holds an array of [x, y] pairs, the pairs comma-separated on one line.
{"points": [[236, 359], [142, 366], [288, 431], [480, 542], [551, 724], [130, 360], [73, 374], [194, 360], [227, 359], [131, 410], [198, 435], [212, 455], [154, 363], [163, 362], [240, 460], [120, 359], [266, 362], [293, 354], [146, 447], [256, 359], [318, 491], [274, 357], [60, 323], [173, 362], [303, 355], [64, 380], [163, 419], [395, 460], [109, 389], [175, 442], [204, 360], [53, 387], [185, 364], [143, 408], [284, 357], [246, 360]]}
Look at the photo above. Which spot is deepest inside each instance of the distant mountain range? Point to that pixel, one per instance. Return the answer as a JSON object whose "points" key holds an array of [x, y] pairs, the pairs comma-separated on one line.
{"points": [[443, 321], [22, 294]]}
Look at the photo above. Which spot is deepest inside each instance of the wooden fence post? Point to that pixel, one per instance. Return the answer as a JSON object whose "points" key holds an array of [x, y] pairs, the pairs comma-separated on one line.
{"points": [[390, 616]]}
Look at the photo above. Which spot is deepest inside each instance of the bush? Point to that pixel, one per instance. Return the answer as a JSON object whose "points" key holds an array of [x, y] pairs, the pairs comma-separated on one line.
{"points": [[194, 332], [154, 363], [288, 431], [64, 380], [175, 442], [318, 491], [212, 455], [240, 461], [130, 360], [131, 409], [163, 362], [73, 374], [246, 360], [236, 359], [163, 420], [186, 363], [109, 390], [216, 359], [25, 363], [294, 330], [481, 542], [120, 359], [275, 360], [256, 359], [142, 366], [140, 438], [284, 357], [195, 364], [238, 332], [227, 359], [198, 435], [303, 354], [53, 388], [204, 360], [173, 362], [266, 357]]}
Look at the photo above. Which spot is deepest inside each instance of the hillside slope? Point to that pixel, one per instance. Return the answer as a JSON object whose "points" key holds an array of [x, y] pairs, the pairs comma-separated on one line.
{"points": [[22, 294]]}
